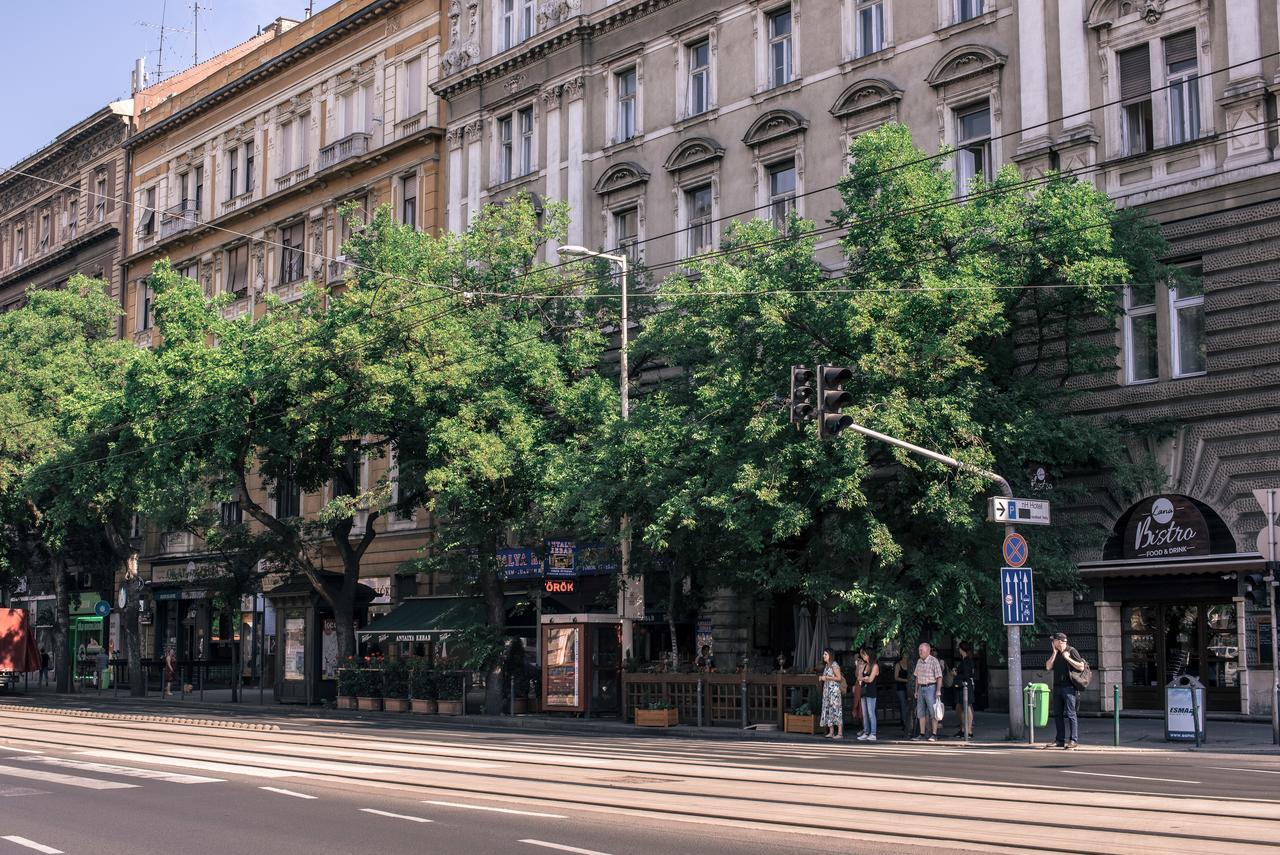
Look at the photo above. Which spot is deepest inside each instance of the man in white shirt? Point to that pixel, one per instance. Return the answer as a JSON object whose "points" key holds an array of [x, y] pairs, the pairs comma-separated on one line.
{"points": [[928, 676]]}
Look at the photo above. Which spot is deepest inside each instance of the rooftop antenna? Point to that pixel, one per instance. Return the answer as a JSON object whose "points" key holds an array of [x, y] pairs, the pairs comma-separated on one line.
{"points": [[310, 7], [163, 28], [196, 9]]}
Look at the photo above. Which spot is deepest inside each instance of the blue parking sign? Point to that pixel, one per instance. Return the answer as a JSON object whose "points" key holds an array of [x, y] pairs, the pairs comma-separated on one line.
{"points": [[1017, 599]]}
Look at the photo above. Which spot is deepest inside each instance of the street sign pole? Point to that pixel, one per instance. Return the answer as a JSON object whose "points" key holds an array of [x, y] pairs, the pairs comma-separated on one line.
{"points": [[1269, 546]]}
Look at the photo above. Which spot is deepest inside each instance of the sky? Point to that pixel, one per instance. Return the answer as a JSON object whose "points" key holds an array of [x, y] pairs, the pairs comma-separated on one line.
{"points": [[75, 56]]}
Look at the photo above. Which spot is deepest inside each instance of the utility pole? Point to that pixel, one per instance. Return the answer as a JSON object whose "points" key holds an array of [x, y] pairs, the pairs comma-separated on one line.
{"points": [[1269, 548], [195, 30]]}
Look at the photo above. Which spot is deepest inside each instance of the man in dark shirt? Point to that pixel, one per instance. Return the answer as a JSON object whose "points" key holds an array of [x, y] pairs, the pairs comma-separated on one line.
{"points": [[1062, 661]]}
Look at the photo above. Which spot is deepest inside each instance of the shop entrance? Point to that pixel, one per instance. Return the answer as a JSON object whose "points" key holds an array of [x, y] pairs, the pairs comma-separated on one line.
{"points": [[1163, 641]]}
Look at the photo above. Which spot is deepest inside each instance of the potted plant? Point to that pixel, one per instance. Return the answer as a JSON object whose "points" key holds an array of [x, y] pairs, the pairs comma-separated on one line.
{"points": [[802, 719], [659, 713], [395, 685], [347, 680], [449, 691], [369, 689], [423, 689], [535, 692]]}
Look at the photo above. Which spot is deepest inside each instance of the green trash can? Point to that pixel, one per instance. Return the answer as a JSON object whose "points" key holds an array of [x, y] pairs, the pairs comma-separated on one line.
{"points": [[1040, 692]]}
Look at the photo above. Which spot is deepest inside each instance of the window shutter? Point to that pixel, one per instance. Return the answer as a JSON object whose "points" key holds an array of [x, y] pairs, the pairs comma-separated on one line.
{"points": [[1180, 47], [1135, 72]]}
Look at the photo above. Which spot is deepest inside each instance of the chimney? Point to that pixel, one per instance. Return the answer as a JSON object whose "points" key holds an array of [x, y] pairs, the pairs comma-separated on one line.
{"points": [[139, 76]]}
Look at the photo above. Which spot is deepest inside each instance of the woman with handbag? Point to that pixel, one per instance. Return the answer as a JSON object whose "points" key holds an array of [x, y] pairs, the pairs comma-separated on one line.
{"points": [[833, 684], [869, 673]]}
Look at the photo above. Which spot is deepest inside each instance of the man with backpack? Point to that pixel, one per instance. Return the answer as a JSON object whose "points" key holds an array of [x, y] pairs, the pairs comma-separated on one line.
{"points": [[1070, 674]]}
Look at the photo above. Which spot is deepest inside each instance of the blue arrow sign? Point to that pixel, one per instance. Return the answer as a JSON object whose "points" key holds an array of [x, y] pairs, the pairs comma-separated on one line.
{"points": [[1017, 598]]}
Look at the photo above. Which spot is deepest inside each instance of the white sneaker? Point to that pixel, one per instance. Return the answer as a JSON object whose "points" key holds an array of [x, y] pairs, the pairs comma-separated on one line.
{"points": [[871, 737], [862, 737]]}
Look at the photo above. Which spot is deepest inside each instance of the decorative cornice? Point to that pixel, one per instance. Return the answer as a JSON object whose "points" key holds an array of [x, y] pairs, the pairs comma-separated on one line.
{"points": [[964, 62], [620, 176], [865, 95], [773, 125], [692, 152]]}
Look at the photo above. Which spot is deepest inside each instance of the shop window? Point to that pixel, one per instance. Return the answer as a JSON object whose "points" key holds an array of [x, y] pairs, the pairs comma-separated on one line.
{"points": [[1135, 97], [1183, 85], [973, 146], [1141, 351], [780, 47]]}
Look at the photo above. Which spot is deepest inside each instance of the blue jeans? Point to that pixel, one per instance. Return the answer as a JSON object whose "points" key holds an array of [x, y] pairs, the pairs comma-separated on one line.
{"points": [[1065, 704], [869, 715]]}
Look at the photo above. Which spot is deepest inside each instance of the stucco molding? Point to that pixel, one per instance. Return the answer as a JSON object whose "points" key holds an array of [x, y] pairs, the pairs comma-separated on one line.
{"points": [[620, 176], [963, 63], [773, 125], [692, 152], [865, 95]]}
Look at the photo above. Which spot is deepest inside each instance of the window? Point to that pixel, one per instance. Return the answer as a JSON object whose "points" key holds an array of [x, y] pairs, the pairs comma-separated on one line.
{"points": [[625, 81], [1135, 98], [507, 25], [409, 200], [699, 77], [146, 303], [73, 216], [44, 230], [697, 203], [291, 238], [302, 139], [19, 245], [350, 486], [782, 193], [526, 140], [287, 495], [780, 47], [412, 104], [870, 26], [1141, 353], [248, 167], [1186, 323], [402, 513], [1183, 87], [197, 189], [973, 146], [285, 147], [100, 199], [233, 173], [190, 270], [231, 513], [967, 10], [147, 216], [626, 232], [184, 188], [506, 153], [237, 281]]}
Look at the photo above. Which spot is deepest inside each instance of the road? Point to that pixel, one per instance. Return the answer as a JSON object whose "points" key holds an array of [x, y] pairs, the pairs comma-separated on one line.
{"points": [[87, 781]]}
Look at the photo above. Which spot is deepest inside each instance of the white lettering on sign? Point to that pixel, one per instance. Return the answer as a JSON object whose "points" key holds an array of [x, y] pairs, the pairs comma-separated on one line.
{"points": [[1147, 538]]}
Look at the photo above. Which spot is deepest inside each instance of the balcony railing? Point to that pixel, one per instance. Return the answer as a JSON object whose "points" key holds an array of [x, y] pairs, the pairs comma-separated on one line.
{"points": [[293, 177], [178, 219], [350, 146], [338, 268]]}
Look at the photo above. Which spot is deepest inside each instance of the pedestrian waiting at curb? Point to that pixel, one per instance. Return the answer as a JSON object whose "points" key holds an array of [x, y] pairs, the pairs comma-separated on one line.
{"points": [[903, 682], [868, 674], [170, 670], [928, 677], [1064, 660], [833, 685], [46, 664], [966, 684]]}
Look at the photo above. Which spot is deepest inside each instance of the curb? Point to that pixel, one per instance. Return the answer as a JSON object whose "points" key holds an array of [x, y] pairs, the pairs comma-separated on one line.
{"points": [[155, 719]]}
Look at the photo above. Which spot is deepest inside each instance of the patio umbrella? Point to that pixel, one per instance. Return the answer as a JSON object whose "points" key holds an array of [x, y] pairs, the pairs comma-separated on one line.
{"points": [[802, 659], [821, 636]]}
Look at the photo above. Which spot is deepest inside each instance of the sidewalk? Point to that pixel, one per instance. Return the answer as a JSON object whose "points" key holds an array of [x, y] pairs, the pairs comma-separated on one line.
{"points": [[1096, 734]]}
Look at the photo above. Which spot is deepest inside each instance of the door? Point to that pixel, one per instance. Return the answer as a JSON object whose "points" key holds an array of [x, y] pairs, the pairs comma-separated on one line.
{"points": [[1161, 642], [606, 669]]}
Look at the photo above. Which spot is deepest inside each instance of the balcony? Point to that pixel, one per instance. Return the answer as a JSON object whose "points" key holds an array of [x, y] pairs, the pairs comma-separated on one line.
{"points": [[338, 268], [291, 178], [349, 146], [178, 219]]}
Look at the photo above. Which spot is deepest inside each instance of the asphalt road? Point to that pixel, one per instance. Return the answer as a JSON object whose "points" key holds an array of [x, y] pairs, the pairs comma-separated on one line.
{"points": [[103, 783]]}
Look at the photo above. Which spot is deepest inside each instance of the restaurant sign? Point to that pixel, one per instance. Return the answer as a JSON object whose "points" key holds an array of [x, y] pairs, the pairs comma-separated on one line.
{"points": [[519, 563], [1168, 526]]}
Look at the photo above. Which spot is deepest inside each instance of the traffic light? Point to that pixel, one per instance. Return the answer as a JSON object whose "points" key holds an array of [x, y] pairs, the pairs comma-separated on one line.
{"points": [[1256, 590], [831, 398], [801, 394]]}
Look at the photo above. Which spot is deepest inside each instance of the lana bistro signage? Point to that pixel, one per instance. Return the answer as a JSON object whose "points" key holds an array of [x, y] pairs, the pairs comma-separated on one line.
{"points": [[1167, 526]]}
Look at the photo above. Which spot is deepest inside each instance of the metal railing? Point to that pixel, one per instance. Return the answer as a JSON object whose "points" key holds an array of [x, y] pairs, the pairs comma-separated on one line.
{"points": [[178, 219], [352, 145], [293, 177]]}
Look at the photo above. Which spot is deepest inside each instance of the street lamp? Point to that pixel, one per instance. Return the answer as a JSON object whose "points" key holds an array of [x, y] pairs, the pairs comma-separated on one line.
{"points": [[624, 386]]}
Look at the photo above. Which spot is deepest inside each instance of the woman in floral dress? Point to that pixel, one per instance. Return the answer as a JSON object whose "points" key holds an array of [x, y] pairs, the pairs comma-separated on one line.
{"points": [[832, 708]]}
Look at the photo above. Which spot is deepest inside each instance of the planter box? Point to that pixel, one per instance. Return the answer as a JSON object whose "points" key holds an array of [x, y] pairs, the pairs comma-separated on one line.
{"points": [[424, 707], [449, 707], [800, 724], [369, 704], [395, 704], [657, 718], [346, 703], [521, 706]]}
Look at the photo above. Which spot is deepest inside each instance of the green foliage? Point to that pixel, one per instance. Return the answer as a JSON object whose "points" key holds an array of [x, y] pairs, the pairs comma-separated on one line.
{"points": [[449, 686], [348, 681], [423, 682], [395, 677]]}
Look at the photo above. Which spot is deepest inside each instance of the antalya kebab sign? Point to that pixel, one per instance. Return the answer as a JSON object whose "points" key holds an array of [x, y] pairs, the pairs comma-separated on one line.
{"points": [[1166, 527]]}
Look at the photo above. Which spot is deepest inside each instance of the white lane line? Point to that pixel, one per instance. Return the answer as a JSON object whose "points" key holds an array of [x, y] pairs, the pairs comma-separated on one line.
{"points": [[1235, 769], [8, 792], [1130, 777], [288, 793], [562, 848], [494, 809], [124, 771], [228, 768], [69, 780], [396, 815], [20, 750], [31, 844]]}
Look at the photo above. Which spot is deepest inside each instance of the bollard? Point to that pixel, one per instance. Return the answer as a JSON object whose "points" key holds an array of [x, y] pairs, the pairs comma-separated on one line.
{"points": [[200, 676], [513, 695], [465, 675], [699, 703], [1115, 705], [966, 718], [1031, 716], [745, 723], [1195, 714]]}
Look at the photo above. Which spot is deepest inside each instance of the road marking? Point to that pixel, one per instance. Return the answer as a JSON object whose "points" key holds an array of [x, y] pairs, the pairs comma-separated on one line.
{"points": [[20, 750], [1131, 777], [494, 809], [124, 771], [31, 844], [396, 815], [561, 847], [6, 792], [69, 780], [229, 768], [1235, 769], [288, 793]]}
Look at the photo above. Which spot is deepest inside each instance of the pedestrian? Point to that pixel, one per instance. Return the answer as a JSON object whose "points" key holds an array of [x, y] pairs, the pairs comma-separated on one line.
{"points": [[928, 678], [1062, 661], [832, 704], [869, 673], [170, 670], [965, 686], [102, 662], [46, 663], [902, 683], [705, 662]]}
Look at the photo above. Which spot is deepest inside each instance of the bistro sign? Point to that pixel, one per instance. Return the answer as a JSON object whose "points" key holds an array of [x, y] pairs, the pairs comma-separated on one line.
{"points": [[1168, 526]]}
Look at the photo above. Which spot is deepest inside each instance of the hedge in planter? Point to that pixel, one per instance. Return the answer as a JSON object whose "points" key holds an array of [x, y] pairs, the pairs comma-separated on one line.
{"points": [[423, 689], [657, 714], [395, 685], [450, 691], [347, 682], [369, 688]]}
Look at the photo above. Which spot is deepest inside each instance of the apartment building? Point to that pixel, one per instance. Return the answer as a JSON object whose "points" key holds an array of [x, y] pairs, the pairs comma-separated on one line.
{"points": [[238, 181]]}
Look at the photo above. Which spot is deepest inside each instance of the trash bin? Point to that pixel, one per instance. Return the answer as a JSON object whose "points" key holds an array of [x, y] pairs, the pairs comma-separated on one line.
{"points": [[1184, 710], [1039, 693]]}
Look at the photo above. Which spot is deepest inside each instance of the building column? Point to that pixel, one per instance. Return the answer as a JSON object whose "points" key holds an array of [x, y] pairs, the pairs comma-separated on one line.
{"points": [[1072, 59], [1033, 73], [1110, 668], [453, 139], [551, 120], [474, 132], [1243, 100], [577, 131]]}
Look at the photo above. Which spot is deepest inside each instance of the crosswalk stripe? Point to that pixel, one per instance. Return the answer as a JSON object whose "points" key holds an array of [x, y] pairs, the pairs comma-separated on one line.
{"points": [[69, 780], [288, 793], [31, 844], [396, 815], [124, 771], [184, 763]]}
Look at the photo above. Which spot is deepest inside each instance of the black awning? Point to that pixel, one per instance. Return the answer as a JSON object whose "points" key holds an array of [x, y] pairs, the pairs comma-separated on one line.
{"points": [[425, 618]]}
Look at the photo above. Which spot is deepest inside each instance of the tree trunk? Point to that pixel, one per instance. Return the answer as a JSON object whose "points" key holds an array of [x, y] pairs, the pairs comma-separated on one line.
{"points": [[233, 622], [344, 618], [671, 617], [63, 659], [495, 606]]}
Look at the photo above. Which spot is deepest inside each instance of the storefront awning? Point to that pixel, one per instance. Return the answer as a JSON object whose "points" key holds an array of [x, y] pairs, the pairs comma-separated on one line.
{"points": [[427, 618], [1237, 562]]}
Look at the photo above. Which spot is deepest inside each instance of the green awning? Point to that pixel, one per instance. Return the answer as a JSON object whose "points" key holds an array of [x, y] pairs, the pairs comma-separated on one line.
{"points": [[426, 618]]}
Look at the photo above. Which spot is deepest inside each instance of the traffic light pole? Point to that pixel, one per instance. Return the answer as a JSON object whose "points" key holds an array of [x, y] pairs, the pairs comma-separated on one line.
{"points": [[1273, 571], [1014, 639]]}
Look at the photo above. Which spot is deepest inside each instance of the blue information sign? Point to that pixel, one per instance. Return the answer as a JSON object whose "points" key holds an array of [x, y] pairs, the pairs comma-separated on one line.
{"points": [[595, 559], [102, 608], [519, 563], [560, 563], [1017, 598]]}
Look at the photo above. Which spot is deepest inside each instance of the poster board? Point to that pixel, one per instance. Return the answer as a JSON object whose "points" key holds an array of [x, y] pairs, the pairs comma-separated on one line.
{"points": [[563, 668], [295, 663]]}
